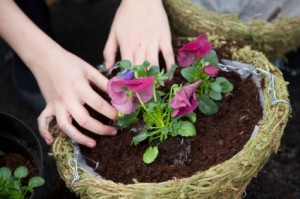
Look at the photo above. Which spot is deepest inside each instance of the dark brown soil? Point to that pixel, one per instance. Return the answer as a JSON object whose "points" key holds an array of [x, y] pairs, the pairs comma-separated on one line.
{"points": [[219, 137]]}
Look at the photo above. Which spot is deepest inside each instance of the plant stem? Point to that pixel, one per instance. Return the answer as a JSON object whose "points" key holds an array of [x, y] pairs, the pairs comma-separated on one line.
{"points": [[144, 107], [154, 93]]}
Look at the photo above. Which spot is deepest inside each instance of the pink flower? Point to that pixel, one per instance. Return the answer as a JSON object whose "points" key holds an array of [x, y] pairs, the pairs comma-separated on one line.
{"points": [[194, 49], [123, 92], [184, 101], [211, 70]]}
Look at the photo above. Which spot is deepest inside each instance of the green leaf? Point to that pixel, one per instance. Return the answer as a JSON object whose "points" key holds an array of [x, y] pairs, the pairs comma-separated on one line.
{"points": [[190, 73], [15, 194], [146, 63], [154, 70], [125, 64], [176, 125], [139, 71], [186, 129], [216, 86], [147, 119], [35, 182], [170, 73], [225, 84], [191, 117], [139, 137], [207, 106], [150, 154], [211, 58], [21, 172], [127, 120], [5, 173], [174, 132], [215, 95], [165, 130], [151, 105]]}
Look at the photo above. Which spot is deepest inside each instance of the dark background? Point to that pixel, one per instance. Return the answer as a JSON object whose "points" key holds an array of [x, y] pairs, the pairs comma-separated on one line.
{"points": [[82, 28]]}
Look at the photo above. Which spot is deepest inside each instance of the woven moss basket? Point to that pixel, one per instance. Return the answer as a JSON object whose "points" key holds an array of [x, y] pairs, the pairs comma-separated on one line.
{"points": [[226, 180], [274, 39]]}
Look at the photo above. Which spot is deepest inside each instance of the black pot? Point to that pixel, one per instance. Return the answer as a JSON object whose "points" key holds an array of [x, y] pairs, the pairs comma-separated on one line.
{"points": [[17, 137]]}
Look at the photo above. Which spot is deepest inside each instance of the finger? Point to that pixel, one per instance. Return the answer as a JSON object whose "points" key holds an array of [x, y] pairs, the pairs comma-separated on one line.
{"points": [[82, 117], [97, 78], [152, 55], [64, 122], [168, 54], [126, 52], [44, 120], [139, 56], [110, 51], [98, 103]]}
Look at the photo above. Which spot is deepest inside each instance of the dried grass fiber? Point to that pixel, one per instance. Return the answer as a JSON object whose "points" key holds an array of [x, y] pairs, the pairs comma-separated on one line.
{"points": [[274, 39]]}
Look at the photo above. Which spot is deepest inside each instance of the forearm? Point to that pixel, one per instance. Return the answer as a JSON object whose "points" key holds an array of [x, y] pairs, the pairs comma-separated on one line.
{"points": [[27, 40]]}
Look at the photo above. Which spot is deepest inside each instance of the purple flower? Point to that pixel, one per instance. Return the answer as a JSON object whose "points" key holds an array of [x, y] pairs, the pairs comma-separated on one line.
{"points": [[127, 74], [194, 49], [211, 70], [123, 92], [184, 101]]}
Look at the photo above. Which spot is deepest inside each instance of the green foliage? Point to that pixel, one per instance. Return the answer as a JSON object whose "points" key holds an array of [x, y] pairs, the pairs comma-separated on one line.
{"points": [[225, 85], [207, 105], [211, 58], [125, 64], [126, 120], [210, 90], [11, 186], [156, 113], [150, 154], [190, 73]]}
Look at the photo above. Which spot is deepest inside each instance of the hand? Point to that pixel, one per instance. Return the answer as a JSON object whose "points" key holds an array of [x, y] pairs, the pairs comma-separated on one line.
{"points": [[141, 30], [64, 78], [65, 83]]}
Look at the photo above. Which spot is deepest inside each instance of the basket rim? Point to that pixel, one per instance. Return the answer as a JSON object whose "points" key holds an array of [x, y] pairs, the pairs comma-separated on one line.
{"points": [[232, 173]]}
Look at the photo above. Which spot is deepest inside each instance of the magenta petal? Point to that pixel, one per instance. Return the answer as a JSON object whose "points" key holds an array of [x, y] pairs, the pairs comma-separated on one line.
{"points": [[185, 59], [120, 99], [190, 89], [126, 107], [184, 101], [211, 70], [180, 100], [202, 37], [198, 48], [191, 46], [115, 91], [186, 110], [138, 85], [204, 47], [146, 94]]}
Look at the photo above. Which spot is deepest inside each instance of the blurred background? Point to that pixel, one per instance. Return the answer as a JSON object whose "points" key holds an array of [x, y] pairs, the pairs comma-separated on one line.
{"points": [[82, 27]]}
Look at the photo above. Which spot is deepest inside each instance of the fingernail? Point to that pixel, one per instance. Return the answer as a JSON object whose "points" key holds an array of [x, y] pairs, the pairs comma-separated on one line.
{"points": [[90, 144], [114, 132], [107, 65], [48, 141]]}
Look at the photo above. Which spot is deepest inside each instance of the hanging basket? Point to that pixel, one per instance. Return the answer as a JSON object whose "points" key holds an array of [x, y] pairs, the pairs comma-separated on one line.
{"points": [[226, 180], [276, 38]]}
